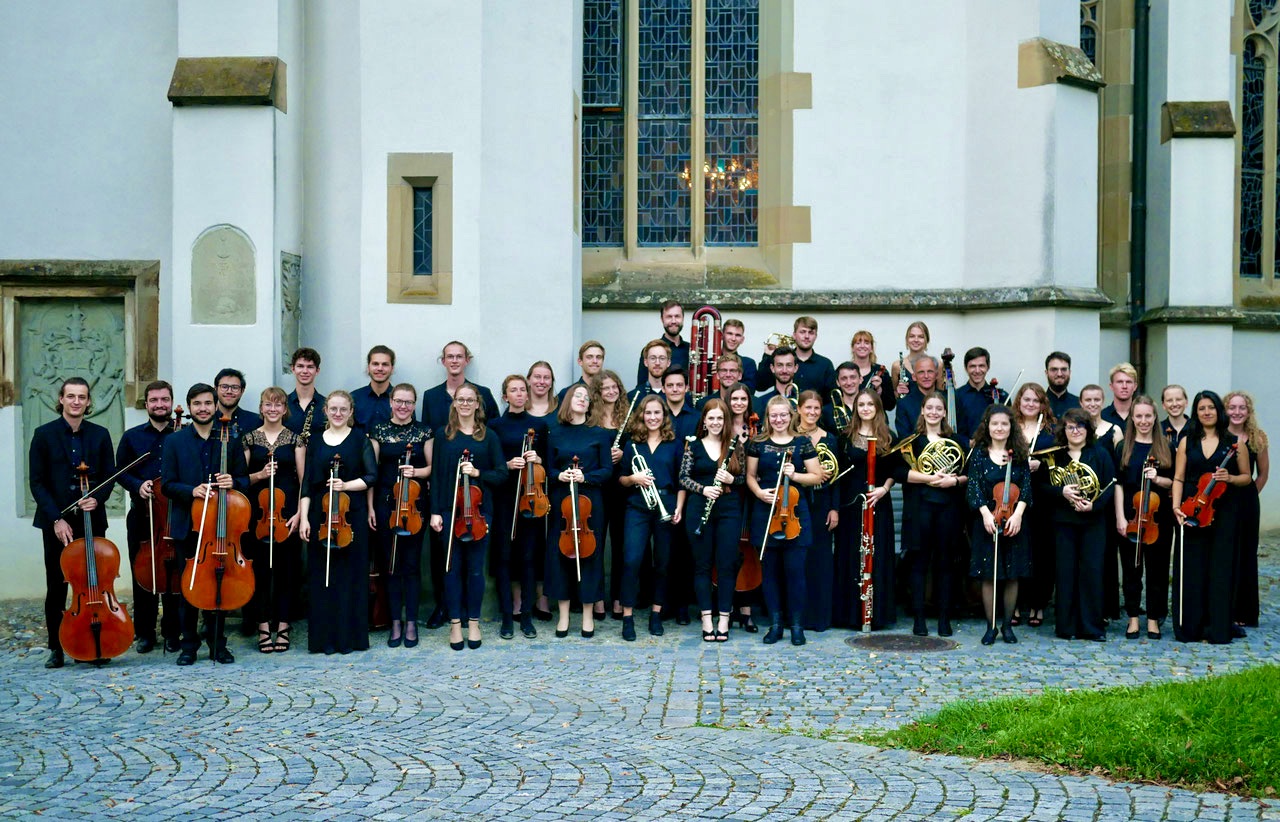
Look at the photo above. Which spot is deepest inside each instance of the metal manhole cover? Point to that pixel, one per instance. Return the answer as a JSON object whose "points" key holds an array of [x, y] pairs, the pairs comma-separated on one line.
{"points": [[901, 643]]}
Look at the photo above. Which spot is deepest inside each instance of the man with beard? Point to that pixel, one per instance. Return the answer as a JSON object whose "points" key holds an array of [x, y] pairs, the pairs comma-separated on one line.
{"points": [[784, 374], [141, 481], [190, 471], [230, 384], [672, 326], [373, 401], [908, 410], [57, 448], [813, 371], [1057, 374]]}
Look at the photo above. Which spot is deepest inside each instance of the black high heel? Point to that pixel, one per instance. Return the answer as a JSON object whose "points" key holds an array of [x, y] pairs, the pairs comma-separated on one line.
{"points": [[1006, 633], [920, 628], [459, 645], [989, 638]]}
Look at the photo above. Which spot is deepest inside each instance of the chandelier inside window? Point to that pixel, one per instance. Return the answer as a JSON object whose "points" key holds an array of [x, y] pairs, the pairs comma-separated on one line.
{"points": [[730, 176]]}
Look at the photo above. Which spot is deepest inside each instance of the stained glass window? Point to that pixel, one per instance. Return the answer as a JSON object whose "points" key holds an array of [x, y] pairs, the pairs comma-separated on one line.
{"points": [[732, 107], [602, 53], [1089, 30], [422, 231], [664, 104], [1252, 170], [1259, 8], [603, 126]]}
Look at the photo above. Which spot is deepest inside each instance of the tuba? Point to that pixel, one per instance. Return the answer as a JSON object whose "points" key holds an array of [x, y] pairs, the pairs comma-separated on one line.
{"points": [[705, 343], [942, 456]]}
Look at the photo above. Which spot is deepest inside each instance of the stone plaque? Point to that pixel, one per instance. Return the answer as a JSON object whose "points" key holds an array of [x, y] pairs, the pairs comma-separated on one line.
{"points": [[290, 306], [222, 278]]}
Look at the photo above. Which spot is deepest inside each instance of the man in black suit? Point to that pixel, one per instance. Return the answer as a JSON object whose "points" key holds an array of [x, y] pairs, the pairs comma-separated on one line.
{"points": [[190, 458], [57, 448]]}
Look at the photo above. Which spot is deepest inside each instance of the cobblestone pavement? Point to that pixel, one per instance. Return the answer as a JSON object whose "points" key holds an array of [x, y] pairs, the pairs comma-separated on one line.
{"points": [[568, 729]]}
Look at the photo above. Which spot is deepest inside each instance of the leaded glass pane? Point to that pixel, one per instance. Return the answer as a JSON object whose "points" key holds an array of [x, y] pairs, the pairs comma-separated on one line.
{"points": [[422, 231], [731, 176], [1252, 131], [1088, 35], [662, 196], [732, 49], [602, 53], [1259, 8], [664, 58], [602, 184]]}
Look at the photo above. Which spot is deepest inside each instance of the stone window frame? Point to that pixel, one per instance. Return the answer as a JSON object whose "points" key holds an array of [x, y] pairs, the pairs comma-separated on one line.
{"points": [[1264, 292], [781, 224], [405, 172]]}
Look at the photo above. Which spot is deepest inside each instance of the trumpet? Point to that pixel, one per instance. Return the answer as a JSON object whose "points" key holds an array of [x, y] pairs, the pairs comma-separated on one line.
{"points": [[652, 499], [778, 340]]}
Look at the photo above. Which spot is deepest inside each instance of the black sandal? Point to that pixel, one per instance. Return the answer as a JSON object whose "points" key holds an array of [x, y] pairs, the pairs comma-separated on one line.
{"points": [[265, 645], [282, 640]]}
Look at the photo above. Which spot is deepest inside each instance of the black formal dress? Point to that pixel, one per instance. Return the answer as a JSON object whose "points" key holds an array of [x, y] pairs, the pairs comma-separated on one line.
{"points": [[1244, 599], [1080, 542], [1202, 576], [400, 555], [591, 446], [819, 561], [277, 568], [846, 600], [932, 523], [1014, 559], [1153, 558]]}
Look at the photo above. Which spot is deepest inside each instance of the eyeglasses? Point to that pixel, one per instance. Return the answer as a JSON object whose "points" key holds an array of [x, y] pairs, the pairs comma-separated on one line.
{"points": [[657, 358], [403, 403], [230, 387], [465, 401], [1073, 427]]}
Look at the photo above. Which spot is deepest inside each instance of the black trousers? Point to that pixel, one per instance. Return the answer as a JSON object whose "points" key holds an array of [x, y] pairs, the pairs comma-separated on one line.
{"points": [[642, 526], [938, 527], [146, 605], [1152, 559], [1080, 554], [716, 547], [55, 595], [215, 622]]}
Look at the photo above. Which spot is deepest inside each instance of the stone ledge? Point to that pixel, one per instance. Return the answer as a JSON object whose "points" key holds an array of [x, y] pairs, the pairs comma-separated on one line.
{"points": [[229, 81], [1213, 315], [942, 299], [1042, 61], [1211, 118]]}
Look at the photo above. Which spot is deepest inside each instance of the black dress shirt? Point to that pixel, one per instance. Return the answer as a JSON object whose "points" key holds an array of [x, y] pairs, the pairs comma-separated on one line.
{"points": [[55, 453]]}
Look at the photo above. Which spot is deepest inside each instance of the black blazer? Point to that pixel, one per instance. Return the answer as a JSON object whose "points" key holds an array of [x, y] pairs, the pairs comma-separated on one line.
{"points": [[54, 482], [187, 461]]}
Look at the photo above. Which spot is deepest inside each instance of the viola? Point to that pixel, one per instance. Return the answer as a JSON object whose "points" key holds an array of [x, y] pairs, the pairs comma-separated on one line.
{"points": [[335, 530], [1199, 509], [1004, 496], [783, 522], [219, 577], [96, 626], [468, 523], [1143, 529], [273, 526], [576, 538], [156, 566], [406, 519], [533, 501]]}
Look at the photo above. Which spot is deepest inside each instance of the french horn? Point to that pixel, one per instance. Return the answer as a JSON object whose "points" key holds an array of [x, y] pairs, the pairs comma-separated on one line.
{"points": [[942, 456], [827, 459], [1084, 478]]}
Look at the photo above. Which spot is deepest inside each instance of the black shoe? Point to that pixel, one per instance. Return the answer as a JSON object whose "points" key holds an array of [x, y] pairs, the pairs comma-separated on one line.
{"points": [[989, 638], [394, 641], [797, 635], [1006, 633], [682, 616], [562, 634], [145, 645], [598, 615], [616, 615], [526, 626], [629, 628], [541, 615], [1134, 634], [458, 646], [773, 634], [435, 620], [587, 634], [55, 660], [508, 629], [944, 626], [748, 624], [655, 623], [187, 656], [474, 643], [920, 629], [1237, 632], [1154, 635], [172, 646], [223, 656]]}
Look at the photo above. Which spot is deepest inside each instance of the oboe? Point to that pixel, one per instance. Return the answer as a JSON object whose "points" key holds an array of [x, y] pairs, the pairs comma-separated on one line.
{"points": [[706, 512], [617, 441]]}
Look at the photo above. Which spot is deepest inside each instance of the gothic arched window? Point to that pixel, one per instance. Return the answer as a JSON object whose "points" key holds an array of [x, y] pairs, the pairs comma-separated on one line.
{"points": [[1258, 217]]}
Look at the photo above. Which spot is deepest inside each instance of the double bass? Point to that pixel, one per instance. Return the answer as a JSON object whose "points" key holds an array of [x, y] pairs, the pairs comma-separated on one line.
{"points": [[219, 577], [157, 567], [96, 627]]}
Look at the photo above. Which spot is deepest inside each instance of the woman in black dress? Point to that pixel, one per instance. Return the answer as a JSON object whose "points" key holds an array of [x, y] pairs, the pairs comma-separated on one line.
{"points": [[744, 424], [868, 421], [609, 407], [1144, 453], [1202, 570], [338, 578], [873, 375], [401, 550], [468, 453], [1244, 425], [1002, 557], [277, 568], [1035, 419], [932, 513], [824, 511], [783, 557], [1173, 398]]}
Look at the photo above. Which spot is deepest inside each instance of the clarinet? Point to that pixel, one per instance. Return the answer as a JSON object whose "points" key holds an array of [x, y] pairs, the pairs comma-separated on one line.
{"points": [[706, 512]]}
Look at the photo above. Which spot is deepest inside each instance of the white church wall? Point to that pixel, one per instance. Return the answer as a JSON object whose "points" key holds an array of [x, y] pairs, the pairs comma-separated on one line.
{"points": [[1248, 349], [290, 133]]}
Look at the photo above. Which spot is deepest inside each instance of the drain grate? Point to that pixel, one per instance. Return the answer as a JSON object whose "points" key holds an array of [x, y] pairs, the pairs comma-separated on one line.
{"points": [[901, 643]]}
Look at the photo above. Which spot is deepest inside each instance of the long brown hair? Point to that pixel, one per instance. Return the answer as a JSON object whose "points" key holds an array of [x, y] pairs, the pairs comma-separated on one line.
{"points": [[639, 432], [1159, 442], [726, 432], [1018, 444], [944, 425], [454, 425], [879, 424], [599, 405]]}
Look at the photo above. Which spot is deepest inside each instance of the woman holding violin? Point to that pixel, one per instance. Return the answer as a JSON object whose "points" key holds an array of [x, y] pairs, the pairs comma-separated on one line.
{"points": [[1209, 469], [609, 411], [654, 504], [998, 494], [1244, 425], [824, 512], [1036, 420], [709, 469], [520, 508], [1080, 500], [462, 508], [856, 490], [277, 461], [1144, 517], [334, 521], [779, 460], [744, 425], [933, 510], [402, 447], [578, 464]]}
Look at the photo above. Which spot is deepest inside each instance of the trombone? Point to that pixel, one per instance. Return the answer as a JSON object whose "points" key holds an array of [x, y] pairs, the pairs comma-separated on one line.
{"points": [[652, 499]]}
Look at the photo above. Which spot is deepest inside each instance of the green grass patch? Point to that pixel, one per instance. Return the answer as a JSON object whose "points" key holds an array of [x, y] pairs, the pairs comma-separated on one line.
{"points": [[1221, 733]]}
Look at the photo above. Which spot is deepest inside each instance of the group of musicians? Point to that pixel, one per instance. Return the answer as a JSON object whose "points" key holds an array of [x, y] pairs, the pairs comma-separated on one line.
{"points": [[717, 482]]}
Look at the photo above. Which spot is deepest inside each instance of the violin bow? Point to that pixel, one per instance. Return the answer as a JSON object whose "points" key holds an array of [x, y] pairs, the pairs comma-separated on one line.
{"points": [[200, 537], [104, 483]]}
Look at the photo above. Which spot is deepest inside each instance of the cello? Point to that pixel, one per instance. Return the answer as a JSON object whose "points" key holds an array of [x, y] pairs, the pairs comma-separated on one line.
{"points": [[157, 551], [96, 627], [576, 537], [219, 577], [1198, 510]]}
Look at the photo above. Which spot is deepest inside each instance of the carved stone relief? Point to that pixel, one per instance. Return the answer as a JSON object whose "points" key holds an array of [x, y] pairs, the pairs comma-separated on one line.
{"points": [[223, 278], [290, 306]]}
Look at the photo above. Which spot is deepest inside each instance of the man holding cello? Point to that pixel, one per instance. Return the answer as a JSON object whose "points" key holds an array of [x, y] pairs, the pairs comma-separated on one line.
{"points": [[190, 474], [57, 448]]}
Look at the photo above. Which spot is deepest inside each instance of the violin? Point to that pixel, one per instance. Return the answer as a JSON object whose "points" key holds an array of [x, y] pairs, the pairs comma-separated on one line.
{"points": [[1004, 496], [783, 522], [533, 501], [273, 526], [1143, 530], [334, 528], [157, 551], [1199, 509], [468, 523], [406, 520], [96, 626], [219, 576], [576, 538]]}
